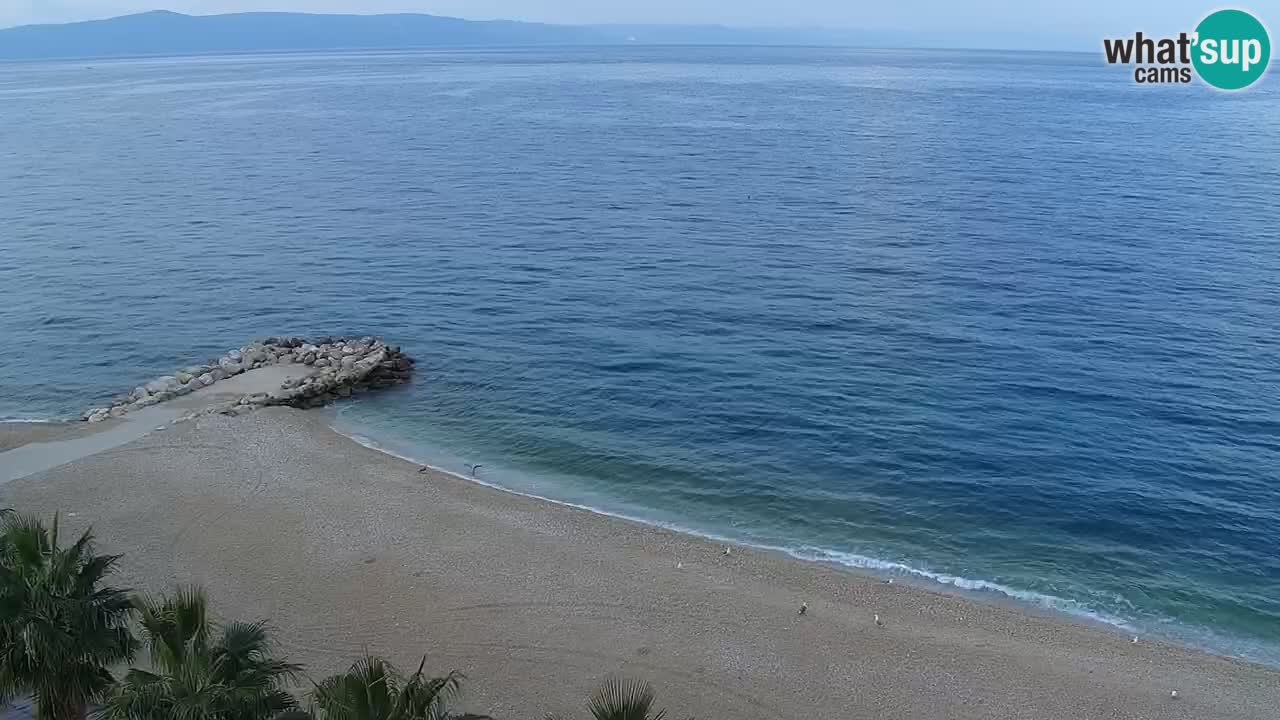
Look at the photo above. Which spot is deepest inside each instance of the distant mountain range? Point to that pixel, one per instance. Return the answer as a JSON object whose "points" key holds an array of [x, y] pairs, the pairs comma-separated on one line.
{"points": [[168, 33]]}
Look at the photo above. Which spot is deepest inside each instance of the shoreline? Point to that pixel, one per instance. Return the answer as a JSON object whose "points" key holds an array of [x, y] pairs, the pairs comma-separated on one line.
{"points": [[921, 579], [987, 593], [970, 589], [344, 547], [910, 577]]}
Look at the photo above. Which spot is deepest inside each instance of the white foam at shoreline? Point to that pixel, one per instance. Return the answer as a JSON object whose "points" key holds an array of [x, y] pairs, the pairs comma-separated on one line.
{"points": [[1190, 635], [1049, 602], [805, 553]]}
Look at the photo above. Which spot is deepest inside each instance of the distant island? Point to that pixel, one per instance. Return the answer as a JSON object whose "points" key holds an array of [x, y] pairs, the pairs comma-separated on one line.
{"points": [[165, 33], [162, 32]]}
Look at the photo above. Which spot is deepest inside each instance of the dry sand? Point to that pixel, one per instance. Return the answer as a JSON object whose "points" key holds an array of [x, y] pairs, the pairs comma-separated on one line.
{"points": [[28, 448], [344, 549], [17, 434]]}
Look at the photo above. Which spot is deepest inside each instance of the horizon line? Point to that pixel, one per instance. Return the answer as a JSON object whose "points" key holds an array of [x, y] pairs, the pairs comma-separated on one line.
{"points": [[696, 25]]}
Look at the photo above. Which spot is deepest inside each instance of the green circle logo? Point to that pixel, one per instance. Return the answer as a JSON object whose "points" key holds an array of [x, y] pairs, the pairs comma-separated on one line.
{"points": [[1232, 49]]}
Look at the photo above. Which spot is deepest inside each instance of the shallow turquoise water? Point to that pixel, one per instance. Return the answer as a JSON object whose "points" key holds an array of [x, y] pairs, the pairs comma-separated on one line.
{"points": [[1005, 321]]}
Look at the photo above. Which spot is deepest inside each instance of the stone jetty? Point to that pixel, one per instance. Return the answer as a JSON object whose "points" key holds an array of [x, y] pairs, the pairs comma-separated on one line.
{"points": [[331, 368]]}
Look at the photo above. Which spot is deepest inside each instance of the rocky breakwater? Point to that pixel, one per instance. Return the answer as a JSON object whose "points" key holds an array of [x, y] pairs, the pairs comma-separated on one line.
{"points": [[330, 368]]}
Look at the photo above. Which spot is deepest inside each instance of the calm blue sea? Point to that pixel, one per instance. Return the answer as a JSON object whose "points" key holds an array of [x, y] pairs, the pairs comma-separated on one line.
{"points": [[1006, 322]]}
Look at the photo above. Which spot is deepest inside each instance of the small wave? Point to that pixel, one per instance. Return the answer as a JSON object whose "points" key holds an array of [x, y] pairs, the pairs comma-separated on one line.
{"points": [[804, 552], [31, 421], [1050, 602], [373, 445], [1189, 635]]}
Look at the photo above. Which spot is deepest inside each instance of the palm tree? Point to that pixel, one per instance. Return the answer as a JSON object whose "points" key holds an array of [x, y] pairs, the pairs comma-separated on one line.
{"points": [[618, 699], [61, 628], [373, 690], [201, 671]]}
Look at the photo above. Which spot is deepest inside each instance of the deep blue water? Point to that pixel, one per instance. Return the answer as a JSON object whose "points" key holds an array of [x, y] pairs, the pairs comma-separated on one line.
{"points": [[1006, 320]]}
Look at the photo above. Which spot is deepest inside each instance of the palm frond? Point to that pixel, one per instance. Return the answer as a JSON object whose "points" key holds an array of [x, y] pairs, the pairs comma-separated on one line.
{"points": [[174, 626], [619, 699], [201, 671], [372, 690], [366, 691], [60, 628], [423, 697]]}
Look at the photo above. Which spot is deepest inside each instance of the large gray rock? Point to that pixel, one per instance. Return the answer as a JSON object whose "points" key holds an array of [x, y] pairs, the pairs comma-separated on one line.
{"points": [[344, 367], [162, 384]]}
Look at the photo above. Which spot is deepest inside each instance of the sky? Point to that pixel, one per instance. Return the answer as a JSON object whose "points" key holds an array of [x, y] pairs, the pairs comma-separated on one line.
{"points": [[1066, 21]]}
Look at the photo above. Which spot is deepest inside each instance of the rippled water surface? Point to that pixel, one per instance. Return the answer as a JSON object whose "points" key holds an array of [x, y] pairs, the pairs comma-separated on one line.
{"points": [[1007, 321]]}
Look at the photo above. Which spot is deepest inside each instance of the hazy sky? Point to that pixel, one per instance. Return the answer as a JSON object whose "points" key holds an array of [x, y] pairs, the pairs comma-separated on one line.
{"points": [[1063, 18]]}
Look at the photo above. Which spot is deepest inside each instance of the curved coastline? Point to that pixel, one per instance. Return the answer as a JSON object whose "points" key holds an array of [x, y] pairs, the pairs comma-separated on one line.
{"points": [[17, 432], [344, 547], [968, 588]]}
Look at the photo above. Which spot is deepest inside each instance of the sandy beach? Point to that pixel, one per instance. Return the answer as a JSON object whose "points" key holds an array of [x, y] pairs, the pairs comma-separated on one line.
{"points": [[344, 549], [16, 434]]}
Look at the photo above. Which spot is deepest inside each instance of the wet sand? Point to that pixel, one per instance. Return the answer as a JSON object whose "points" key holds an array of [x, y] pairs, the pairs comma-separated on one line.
{"points": [[344, 548]]}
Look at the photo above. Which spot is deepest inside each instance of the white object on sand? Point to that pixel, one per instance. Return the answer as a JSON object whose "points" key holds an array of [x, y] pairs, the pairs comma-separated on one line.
{"points": [[1173, 694], [1135, 640], [879, 622], [679, 566], [726, 550], [804, 607]]}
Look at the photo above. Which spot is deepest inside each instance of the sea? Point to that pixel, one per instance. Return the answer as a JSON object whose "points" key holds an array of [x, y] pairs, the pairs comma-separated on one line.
{"points": [[1004, 324]]}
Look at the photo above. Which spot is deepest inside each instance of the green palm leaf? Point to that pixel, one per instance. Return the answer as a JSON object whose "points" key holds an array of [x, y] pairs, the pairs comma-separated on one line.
{"points": [[201, 671], [372, 690], [61, 627], [619, 699]]}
